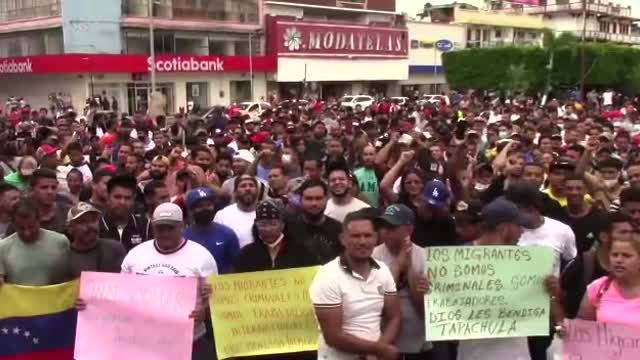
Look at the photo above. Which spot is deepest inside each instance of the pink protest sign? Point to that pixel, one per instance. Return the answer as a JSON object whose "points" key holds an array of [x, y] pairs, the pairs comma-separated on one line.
{"points": [[138, 317], [588, 340]]}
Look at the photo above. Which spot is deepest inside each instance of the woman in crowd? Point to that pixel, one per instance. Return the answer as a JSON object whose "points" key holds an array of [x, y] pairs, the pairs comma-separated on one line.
{"points": [[616, 298]]}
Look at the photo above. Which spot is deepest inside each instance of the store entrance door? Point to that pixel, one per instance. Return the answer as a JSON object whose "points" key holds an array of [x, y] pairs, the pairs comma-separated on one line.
{"points": [[138, 96]]}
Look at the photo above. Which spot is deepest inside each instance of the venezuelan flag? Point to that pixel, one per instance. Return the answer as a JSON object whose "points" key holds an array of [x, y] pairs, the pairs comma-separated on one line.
{"points": [[38, 323]]}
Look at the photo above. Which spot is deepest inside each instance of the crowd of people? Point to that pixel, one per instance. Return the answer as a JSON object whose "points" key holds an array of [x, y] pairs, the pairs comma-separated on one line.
{"points": [[361, 192]]}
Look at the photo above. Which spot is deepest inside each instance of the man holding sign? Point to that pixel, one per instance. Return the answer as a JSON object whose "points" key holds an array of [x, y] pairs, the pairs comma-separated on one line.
{"points": [[169, 254], [502, 226]]}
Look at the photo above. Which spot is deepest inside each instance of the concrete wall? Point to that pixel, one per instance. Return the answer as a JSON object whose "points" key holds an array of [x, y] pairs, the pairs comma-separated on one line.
{"points": [[36, 88], [429, 33], [92, 26], [293, 69]]}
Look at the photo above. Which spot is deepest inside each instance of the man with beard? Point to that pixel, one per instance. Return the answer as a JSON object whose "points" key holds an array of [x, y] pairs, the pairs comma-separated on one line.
{"points": [[159, 171], [318, 233], [342, 201], [220, 240], [239, 215], [223, 167], [367, 176], [88, 252], [241, 164]]}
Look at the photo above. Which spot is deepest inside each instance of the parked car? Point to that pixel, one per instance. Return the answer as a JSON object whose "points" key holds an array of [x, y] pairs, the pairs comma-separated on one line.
{"points": [[434, 99], [400, 100], [253, 108], [352, 101]]}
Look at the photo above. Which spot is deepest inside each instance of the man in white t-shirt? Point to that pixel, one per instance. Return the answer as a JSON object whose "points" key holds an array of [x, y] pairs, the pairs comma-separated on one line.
{"points": [[542, 231], [241, 215], [169, 254], [355, 299], [342, 201]]}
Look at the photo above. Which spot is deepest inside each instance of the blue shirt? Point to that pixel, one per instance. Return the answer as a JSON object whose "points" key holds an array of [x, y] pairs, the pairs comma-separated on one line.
{"points": [[219, 239]]}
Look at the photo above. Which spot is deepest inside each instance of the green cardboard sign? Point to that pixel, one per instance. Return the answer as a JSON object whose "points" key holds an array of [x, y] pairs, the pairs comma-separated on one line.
{"points": [[480, 292]]}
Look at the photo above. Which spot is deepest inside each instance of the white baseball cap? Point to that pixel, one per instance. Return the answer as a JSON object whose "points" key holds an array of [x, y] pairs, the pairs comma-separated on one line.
{"points": [[245, 155]]}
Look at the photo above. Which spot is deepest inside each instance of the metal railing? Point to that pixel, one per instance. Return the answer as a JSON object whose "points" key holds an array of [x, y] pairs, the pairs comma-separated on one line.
{"points": [[13, 10], [632, 39], [602, 8], [241, 11], [498, 43]]}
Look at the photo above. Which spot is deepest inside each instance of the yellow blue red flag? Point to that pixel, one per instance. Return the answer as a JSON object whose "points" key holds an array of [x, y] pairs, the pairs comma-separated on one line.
{"points": [[38, 323]]}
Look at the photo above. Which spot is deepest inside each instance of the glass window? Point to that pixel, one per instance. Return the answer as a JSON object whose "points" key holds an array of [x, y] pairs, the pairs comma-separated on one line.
{"points": [[240, 91]]}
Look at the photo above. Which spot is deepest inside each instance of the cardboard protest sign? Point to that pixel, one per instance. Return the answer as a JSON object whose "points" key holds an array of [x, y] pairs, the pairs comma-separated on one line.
{"points": [[266, 312], [589, 340], [487, 292], [135, 317]]}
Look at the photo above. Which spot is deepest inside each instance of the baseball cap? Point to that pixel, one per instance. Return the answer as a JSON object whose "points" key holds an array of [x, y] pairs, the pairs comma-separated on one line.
{"points": [[80, 209], [398, 214], [501, 211], [523, 194], [198, 194], [245, 155], [45, 150], [436, 193], [167, 214]]}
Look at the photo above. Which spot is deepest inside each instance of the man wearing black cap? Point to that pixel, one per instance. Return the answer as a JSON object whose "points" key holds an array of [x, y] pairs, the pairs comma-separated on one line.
{"points": [[271, 249], [406, 261], [502, 226]]}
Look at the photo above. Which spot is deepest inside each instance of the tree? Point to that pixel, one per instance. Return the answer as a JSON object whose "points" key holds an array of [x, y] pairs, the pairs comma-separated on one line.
{"points": [[551, 43], [634, 79]]}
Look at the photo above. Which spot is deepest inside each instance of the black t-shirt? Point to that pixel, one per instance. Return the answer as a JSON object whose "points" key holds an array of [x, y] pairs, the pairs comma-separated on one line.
{"points": [[321, 241], [585, 228], [552, 209], [573, 281]]}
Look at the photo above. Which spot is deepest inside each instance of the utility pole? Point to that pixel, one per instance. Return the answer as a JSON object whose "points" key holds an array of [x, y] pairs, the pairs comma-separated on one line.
{"points": [[251, 65], [583, 60], [152, 50]]}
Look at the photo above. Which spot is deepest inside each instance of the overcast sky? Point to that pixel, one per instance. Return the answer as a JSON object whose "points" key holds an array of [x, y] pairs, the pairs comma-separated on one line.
{"points": [[415, 6]]}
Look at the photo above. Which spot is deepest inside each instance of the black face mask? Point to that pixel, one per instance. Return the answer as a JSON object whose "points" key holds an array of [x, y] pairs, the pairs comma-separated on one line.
{"points": [[157, 175], [203, 217]]}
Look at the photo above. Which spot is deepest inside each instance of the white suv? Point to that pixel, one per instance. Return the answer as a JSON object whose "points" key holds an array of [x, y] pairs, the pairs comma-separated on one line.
{"points": [[352, 101]]}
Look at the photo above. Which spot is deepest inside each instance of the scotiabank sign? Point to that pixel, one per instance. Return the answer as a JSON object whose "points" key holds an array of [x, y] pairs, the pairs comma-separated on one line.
{"points": [[300, 38], [123, 63]]}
